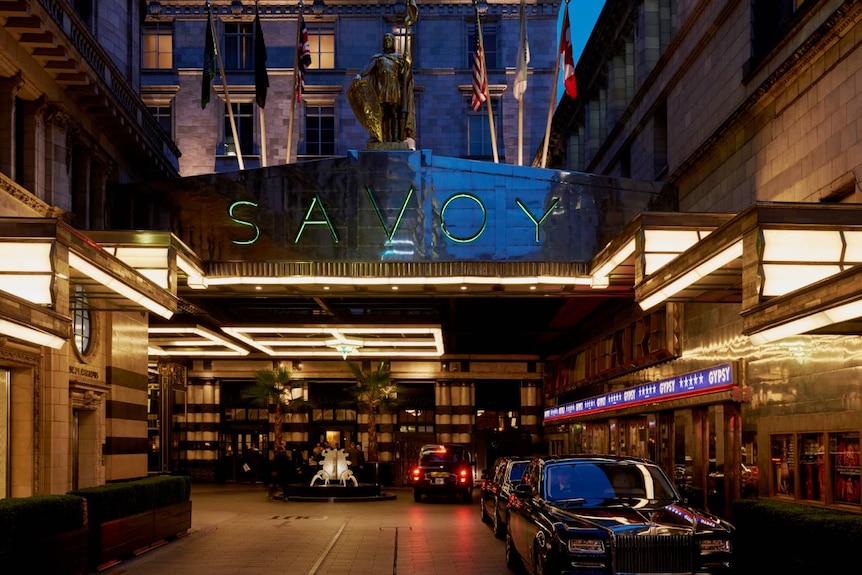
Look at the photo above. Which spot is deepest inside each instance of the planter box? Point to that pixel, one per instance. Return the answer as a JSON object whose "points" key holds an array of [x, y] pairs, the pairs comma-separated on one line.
{"points": [[61, 554], [123, 537]]}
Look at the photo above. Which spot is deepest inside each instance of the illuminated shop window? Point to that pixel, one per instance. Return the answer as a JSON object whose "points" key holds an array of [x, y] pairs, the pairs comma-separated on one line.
{"points": [[844, 458]]}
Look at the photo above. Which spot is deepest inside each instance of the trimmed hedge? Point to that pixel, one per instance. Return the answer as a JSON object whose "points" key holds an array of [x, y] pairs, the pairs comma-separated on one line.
{"points": [[774, 535], [26, 519], [125, 498]]}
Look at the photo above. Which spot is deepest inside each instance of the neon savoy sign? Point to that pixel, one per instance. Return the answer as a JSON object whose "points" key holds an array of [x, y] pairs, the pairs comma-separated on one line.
{"points": [[317, 215]]}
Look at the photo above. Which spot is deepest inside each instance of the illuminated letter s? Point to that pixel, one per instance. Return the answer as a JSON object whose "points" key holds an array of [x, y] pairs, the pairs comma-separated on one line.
{"points": [[244, 223]]}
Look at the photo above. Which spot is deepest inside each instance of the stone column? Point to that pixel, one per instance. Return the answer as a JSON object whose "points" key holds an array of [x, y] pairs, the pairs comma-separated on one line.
{"points": [[9, 88], [33, 178], [58, 157]]}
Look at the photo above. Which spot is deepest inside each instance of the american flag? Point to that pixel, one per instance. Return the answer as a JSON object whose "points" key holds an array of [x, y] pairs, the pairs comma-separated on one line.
{"points": [[480, 78], [303, 57]]}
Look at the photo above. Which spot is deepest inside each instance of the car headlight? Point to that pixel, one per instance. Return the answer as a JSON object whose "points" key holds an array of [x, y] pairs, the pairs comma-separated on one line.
{"points": [[594, 546], [714, 546]]}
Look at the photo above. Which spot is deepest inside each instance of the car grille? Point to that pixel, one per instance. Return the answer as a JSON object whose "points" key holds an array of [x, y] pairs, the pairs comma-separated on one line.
{"points": [[653, 554]]}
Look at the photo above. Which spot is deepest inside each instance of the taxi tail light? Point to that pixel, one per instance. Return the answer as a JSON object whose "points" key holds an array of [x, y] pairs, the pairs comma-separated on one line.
{"points": [[417, 474], [463, 475]]}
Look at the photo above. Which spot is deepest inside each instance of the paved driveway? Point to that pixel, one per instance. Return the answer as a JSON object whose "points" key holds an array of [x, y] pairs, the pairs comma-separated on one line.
{"points": [[236, 530]]}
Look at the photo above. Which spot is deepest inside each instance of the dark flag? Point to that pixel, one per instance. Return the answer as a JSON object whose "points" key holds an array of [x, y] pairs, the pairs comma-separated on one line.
{"points": [[261, 78], [209, 67], [303, 57]]}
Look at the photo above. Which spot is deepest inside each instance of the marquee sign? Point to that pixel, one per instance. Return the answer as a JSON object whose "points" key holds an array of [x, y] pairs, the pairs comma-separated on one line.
{"points": [[691, 384]]}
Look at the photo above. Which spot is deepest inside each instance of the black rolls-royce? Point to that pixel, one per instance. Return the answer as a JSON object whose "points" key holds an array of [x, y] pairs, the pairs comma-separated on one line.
{"points": [[591, 515]]}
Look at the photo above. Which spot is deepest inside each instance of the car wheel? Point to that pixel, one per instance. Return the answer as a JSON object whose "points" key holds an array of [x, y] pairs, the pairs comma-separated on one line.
{"points": [[540, 563], [513, 562], [467, 496], [499, 526], [417, 496]]}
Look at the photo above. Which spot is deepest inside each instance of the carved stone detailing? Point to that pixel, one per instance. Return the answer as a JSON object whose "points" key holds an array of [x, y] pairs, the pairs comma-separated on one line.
{"points": [[27, 199], [12, 84], [86, 400], [57, 116]]}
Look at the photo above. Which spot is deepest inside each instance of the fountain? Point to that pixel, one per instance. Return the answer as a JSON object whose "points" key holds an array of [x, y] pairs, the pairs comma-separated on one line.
{"points": [[335, 481]]}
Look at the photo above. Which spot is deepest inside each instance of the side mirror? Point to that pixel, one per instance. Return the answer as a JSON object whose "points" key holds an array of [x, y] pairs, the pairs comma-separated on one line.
{"points": [[523, 490]]}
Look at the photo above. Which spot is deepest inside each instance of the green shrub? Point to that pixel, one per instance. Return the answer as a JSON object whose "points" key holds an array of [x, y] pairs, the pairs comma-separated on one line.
{"points": [[792, 535], [24, 519], [124, 498]]}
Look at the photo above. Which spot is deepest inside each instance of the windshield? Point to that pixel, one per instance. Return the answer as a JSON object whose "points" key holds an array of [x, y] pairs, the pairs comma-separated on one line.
{"points": [[605, 480], [444, 455]]}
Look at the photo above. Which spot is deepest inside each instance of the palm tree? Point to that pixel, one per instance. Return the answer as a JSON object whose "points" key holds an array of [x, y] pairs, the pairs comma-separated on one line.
{"points": [[374, 392], [275, 387]]}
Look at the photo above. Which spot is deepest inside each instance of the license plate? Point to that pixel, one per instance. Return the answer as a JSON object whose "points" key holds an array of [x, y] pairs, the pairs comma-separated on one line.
{"points": [[439, 481]]}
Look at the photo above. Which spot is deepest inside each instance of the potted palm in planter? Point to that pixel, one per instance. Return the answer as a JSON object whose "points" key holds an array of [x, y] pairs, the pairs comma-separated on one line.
{"points": [[375, 392], [276, 389]]}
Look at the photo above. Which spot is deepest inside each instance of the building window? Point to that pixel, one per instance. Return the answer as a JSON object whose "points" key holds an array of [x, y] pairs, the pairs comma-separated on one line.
{"points": [[772, 20], [321, 40], [401, 43], [164, 117], [85, 10], [416, 420], [81, 321], [238, 46], [319, 130], [478, 131], [489, 43], [158, 46], [243, 115]]}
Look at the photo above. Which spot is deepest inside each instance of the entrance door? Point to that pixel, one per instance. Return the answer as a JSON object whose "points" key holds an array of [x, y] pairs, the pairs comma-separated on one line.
{"points": [[243, 457]]}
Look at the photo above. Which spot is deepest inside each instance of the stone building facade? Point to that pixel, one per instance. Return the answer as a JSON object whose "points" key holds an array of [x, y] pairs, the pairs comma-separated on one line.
{"points": [[73, 317], [751, 112]]}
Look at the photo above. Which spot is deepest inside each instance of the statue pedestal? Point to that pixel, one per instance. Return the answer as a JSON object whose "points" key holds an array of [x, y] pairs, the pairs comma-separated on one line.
{"points": [[385, 146]]}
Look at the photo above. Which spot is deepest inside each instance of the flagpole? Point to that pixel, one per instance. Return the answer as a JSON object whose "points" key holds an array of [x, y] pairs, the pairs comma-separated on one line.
{"points": [[553, 101], [293, 97], [227, 97], [488, 94], [521, 99], [262, 115]]}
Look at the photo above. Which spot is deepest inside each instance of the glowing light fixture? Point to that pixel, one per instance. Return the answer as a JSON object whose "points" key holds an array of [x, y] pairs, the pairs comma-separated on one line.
{"points": [[117, 286], [727, 255], [336, 341], [600, 276], [188, 340], [837, 314], [385, 281], [26, 270], [31, 334]]}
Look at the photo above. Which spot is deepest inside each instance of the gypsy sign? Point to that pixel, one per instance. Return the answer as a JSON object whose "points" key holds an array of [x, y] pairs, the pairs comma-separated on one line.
{"points": [[318, 215], [695, 383]]}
